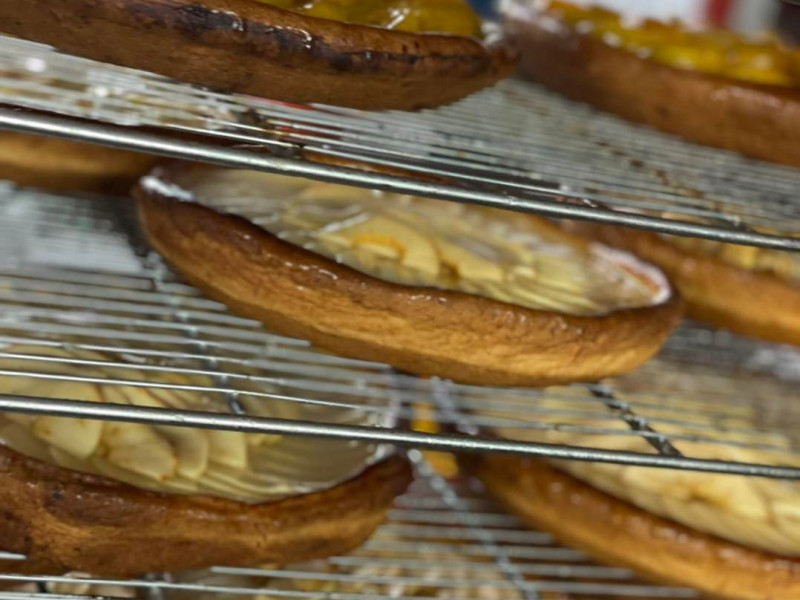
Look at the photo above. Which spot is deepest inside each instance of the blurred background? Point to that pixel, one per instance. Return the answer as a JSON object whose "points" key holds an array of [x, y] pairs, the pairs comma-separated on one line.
{"points": [[745, 15]]}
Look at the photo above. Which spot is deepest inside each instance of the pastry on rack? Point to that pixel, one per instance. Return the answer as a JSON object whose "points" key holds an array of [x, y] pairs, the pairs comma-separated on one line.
{"points": [[717, 88], [118, 499], [751, 291], [55, 164], [430, 287], [372, 54], [728, 536]]}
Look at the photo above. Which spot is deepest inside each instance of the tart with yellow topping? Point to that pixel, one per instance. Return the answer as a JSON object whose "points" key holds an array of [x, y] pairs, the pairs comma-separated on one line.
{"points": [[119, 499], [370, 54], [752, 291], [716, 88], [430, 287], [729, 536]]}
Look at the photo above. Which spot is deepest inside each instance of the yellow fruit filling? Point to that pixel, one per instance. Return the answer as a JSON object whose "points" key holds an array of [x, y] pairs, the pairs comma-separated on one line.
{"points": [[502, 256], [763, 60], [454, 17]]}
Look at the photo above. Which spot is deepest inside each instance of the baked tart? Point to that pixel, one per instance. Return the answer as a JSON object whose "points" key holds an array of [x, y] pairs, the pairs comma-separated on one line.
{"points": [[728, 536], [433, 288], [119, 499], [748, 290], [54, 164], [717, 88], [369, 54]]}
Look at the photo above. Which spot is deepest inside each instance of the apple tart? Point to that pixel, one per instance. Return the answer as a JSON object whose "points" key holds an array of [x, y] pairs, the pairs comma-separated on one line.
{"points": [[118, 499], [432, 288]]}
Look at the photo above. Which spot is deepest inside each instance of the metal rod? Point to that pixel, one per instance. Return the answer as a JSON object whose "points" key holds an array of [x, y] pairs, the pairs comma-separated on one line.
{"points": [[248, 424], [157, 144]]}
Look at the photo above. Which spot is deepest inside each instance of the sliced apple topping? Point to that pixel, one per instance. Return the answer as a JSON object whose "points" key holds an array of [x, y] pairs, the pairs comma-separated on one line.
{"points": [[178, 460], [228, 448], [140, 449], [504, 256], [753, 511], [79, 437]]}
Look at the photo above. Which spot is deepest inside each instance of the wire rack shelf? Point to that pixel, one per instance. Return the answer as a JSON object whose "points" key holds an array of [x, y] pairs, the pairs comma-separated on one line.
{"points": [[442, 539], [516, 147], [83, 301]]}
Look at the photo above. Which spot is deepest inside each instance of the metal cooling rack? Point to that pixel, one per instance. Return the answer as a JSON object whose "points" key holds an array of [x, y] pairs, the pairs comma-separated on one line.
{"points": [[73, 275], [516, 147], [443, 539]]}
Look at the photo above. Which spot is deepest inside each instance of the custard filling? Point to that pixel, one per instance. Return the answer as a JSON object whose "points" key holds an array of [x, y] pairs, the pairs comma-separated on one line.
{"points": [[453, 17], [502, 256], [728, 54], [249, 468]]}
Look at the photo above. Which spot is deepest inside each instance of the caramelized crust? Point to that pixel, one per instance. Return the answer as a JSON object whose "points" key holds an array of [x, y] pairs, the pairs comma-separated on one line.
{"points": [[64, 521], [421, 330], [745, 301], [54, 164], [254, 48], [760, 121], [617, 533]]}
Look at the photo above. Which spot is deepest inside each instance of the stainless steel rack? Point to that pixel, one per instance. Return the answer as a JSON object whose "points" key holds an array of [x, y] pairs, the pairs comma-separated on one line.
{"points": [[443, 539], [515, 146], [73, 275]]}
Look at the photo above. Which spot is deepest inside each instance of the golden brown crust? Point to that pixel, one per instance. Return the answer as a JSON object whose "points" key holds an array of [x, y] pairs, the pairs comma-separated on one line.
{"points": [[64, 520], [745, 301], [54, 164], [253, 48], [424, 331], [618, 533], [759, 121]]}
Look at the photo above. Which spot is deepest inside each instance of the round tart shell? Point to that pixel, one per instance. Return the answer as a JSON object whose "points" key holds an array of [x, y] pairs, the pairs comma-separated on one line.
{"points": [[253, 48], [760, 121], [54, 164], [425, 331], [748, 302], [620, 534], [63, 520]]}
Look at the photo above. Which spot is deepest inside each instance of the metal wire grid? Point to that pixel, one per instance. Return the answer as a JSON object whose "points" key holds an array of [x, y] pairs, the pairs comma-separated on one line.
{"points": [[442, 539], [515, 146], [74, 276]]}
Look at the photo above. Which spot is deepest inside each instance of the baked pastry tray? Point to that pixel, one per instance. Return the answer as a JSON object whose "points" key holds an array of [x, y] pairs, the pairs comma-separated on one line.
{"points": [[83, 300], [515, 146], [442, 539]]}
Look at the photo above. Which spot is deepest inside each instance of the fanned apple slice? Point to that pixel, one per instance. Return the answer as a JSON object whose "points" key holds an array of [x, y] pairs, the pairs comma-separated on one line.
{"points": [[228, 448], [112, 471], [67, 460], [140, 449], [416, 251], [190, 446], [79, 437], [468, 264]]}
